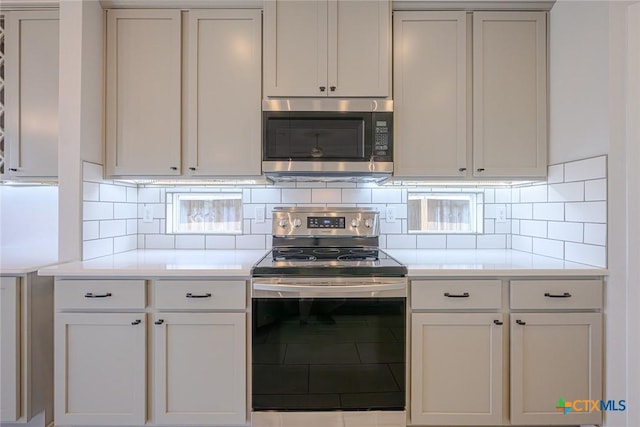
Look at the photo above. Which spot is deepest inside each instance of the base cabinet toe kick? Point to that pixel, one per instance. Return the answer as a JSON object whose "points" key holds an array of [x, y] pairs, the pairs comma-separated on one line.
{"points": [[178, 352]]}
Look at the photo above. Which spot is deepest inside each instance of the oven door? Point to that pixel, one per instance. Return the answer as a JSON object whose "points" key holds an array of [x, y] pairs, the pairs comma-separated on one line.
{"points": [[335, 345]]}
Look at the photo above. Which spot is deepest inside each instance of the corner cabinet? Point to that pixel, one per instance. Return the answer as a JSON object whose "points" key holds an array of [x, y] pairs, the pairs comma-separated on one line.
{"points": [[30, 146], [470, 100], [337, 48]]}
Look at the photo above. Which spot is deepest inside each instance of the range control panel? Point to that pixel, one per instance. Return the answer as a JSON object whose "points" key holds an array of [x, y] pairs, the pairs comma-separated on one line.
{"points": [[343, 222]]}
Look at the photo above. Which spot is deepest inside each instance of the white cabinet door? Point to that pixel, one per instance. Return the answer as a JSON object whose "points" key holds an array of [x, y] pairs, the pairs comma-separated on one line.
{"points": [[100, 369], [31, 103], [295, 48], [224, 92], [9, 349], [555, 356], [359, 48], [143, 116], [199, 368], [457, 368], [430, 94], [509, 94]]}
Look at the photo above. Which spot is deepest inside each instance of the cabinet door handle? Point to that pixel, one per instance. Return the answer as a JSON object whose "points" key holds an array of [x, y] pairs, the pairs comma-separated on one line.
{"points": [[13, 169], [480, 169], [564, 295], [498, 322], [92, 295], [520, 322], [159, 322], [322, 88], [136, 322], [462, 169], [174, 168], [192, 169], [332, 88], [190, 295], [463, 295]]}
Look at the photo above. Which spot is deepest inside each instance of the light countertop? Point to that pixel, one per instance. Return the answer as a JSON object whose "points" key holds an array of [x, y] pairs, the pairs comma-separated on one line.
{"points": [[19, 261], [238, 263]]}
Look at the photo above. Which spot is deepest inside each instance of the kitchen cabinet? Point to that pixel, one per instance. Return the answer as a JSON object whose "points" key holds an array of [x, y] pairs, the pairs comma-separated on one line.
{"points": [[336, 48], [30, 143], [207, 384], [470, 101], [457, 356], [143, 96], [224, 118], [26, 348], [556, 352], [100, 354]]}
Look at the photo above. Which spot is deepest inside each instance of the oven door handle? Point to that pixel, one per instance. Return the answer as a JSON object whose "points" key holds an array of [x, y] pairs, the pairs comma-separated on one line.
{"points": [[321, 289]]}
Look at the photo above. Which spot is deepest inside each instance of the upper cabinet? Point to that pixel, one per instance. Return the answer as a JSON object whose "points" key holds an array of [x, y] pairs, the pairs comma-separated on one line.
{"points": [[470, 103], [143, 114], [183, 93], [337, 48], [30, 141]]}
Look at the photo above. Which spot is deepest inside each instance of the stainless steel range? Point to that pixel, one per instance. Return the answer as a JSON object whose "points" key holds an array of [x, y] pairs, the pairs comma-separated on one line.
{"points": [[328, 321]]}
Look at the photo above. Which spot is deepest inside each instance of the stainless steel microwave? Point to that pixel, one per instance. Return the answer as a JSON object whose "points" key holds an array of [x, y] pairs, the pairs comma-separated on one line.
{"points": [[327, 138]]}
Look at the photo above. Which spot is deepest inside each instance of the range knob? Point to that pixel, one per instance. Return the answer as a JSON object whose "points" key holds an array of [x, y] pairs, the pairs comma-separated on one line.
{"points": [[297, 223], [282, 222], [368, 223], [355, 222]]}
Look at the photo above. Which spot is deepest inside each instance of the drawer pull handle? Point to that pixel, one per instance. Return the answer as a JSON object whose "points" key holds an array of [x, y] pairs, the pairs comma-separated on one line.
{"points": [[498, 322], [464, 295], [520, 322], [190, 295], [564, 295], [136, 322], [92, 295], [159, 322]]}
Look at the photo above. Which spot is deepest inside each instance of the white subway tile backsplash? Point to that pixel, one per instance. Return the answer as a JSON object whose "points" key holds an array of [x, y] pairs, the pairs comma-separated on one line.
{"points": [[220, 242], [296, 195], [260, 227], [141, 241], [311, 185], [503, 195], [132, 226], [461, 242], [326, 195], [97, 210], [251, 241], [503, 227], [555, 174], [356, 195], [382, 195], [90, 230], [390, 227], [113, 193], [190, 242], [489, 226], [113, 228], [431, 241], [149, 195], [124, 243], [152, 227], [96, 248], [125, 210], [401, 241], [159, 241], [492, 241], [515, 195], [533, 228], [567, 231], [583, 170], [536, 193], [550, 248], [132, 194], [91, 192], [568, 192], [548, 211], [595, 190], [586, 254], [586, 212], [595, 234], [489, 195], [522, 243], [522, 211], [265, 195], [515, 226]]}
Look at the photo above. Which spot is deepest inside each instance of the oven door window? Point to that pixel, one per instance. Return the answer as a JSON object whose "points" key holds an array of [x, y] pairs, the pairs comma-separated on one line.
{"points": [[305, 138], [328, 354]]}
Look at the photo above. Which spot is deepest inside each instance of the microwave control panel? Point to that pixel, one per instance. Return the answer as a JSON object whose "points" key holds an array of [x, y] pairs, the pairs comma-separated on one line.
{"points": [[381, 138]]}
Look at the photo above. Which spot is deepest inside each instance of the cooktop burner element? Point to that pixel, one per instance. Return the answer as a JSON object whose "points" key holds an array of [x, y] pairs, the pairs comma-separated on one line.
{"points": [[326, 242]]}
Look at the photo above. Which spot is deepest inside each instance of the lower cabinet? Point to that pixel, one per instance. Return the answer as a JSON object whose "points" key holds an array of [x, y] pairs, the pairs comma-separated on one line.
{"points": [[9, 349], [199, 368], [100, 369], [457, 363]]}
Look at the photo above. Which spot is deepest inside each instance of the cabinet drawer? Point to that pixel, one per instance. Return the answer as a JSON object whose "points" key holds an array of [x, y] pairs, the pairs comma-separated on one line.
{"points": [[100, 294], [200, 295], [456, 294], [556, 294]]}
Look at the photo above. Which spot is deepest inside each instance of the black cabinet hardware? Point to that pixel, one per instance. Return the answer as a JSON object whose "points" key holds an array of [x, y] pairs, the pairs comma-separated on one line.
{"points": [[190, 295], [462, 169], [173, 168], [520, 322], [159, 322], [564, 295], [498, 322], [136, 322], [463, 295], [480, 169], [322, 88], [13, 169], [332, 88], [192, 169], [92, 295]]}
